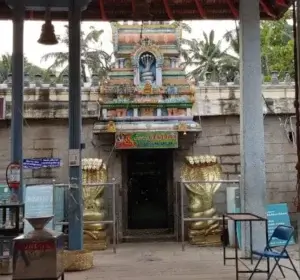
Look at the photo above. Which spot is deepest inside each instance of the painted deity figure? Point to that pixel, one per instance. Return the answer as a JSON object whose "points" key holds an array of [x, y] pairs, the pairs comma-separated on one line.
{"points": [[147, 67]]}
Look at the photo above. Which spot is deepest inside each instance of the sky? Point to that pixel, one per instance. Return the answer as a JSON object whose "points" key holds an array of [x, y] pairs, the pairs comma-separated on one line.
{"points": [[34, 51]]}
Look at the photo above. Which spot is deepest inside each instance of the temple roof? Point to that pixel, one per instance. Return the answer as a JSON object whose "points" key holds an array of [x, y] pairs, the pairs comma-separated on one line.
{"points": [[160, 10]]}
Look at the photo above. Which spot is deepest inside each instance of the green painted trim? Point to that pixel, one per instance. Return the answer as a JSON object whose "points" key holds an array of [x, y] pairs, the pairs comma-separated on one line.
{"points": [[134, 27], [146, 105], [122, 74]]}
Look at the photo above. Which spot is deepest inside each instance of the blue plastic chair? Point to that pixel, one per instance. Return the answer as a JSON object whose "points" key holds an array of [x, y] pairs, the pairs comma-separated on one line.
{"points": [[284, 233]]}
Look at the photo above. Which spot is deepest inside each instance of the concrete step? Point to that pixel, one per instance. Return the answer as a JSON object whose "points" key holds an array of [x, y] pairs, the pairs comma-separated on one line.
{"points": [[149, 238]]}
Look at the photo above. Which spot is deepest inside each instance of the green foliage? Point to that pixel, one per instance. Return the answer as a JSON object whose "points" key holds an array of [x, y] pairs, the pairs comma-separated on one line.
{"points": [[277, 46], [93, 58], [207, 56], [277, 51], [29, 68]]}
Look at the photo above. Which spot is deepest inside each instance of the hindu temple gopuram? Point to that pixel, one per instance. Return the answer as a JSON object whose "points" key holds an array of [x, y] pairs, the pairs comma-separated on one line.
{"points": [[147, 89]]}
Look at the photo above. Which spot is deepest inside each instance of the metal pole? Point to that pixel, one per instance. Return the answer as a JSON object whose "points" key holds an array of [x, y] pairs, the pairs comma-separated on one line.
{"points": [[296, 25], [18, 14], [182, 216], [176, 211], [296, 16], [75, 200], [114, 218], [53, 207]]}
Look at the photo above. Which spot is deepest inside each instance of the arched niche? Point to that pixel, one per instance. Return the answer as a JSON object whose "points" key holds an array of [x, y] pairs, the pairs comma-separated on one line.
{"points": [[147, 48]]}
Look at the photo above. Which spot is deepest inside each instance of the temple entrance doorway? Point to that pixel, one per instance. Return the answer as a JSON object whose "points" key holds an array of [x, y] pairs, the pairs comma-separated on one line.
{"points": [[148, 202]]}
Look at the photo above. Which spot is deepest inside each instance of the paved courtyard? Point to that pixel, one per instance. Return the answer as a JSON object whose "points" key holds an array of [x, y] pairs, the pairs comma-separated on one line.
{"points": [[163, 261]]}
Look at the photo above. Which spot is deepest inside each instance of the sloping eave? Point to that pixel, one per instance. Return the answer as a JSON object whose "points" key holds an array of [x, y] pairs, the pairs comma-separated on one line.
{"points": [[191, 126]]}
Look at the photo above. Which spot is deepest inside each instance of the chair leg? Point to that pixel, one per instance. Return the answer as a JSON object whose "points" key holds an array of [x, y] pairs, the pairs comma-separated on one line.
{"points": [[280, 268], [273, 269], [255, 268], [294, 268]]}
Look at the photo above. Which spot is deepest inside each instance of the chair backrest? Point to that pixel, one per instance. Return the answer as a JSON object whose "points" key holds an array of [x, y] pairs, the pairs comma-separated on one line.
{"points": [[283, 232]]}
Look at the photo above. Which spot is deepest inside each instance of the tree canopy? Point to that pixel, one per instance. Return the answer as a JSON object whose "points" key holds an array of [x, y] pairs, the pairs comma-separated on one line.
{"points": [[219, 57], [277, 46], [277, 51], [93, 58], [29, 68]]}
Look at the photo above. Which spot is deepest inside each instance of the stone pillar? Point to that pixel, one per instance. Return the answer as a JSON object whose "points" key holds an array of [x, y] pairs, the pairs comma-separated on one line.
{"points": [[17, 88], [122, 63], [159, 75], [253, 183], [75, 125], [136, 79], [117, 65]]}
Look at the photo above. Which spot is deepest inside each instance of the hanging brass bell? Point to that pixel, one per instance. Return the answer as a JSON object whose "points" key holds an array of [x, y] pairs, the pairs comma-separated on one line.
{"points": [[48, 36]]}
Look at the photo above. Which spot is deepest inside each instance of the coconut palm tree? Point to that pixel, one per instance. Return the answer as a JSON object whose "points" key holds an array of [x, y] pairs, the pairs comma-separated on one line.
{"points": [[93, 58], [232, 37], [29, 68], [206, 56]]}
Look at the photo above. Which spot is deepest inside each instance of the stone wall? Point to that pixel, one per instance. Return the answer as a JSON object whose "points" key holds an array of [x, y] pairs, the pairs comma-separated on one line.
{"points": [[44, 138], [220, 137]]}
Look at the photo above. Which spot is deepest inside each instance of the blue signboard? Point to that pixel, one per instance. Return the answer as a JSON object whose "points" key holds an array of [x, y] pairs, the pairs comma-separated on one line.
{"points": [[37, 163], [278, 214], [39, 202]]}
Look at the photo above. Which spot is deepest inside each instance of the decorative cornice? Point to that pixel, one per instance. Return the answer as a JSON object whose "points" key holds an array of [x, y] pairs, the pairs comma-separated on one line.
{"points": [[52, 102]]}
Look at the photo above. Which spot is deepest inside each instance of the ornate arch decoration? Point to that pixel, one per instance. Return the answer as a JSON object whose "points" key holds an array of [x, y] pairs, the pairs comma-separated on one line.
{"points": [[147, 45]]}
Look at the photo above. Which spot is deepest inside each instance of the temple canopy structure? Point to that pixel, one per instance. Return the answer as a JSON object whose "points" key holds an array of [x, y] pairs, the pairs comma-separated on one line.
{"points": [[156, 10], [253, 186]]}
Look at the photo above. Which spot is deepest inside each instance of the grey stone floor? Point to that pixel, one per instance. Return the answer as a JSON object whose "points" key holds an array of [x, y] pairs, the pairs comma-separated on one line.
{"points": [[164, 261]]}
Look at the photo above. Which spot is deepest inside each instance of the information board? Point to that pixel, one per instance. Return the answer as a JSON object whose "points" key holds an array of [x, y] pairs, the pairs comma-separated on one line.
{"points": [[4, 192], [39, 202], [278, 214], [38, 163]]}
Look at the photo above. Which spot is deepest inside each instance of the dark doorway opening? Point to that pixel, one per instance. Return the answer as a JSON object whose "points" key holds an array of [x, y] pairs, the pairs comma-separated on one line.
{"points": [[147, 201]]}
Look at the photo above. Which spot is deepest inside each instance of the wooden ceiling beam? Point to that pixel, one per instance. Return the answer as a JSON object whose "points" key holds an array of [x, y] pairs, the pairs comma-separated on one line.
{"points": [[233, 9], [168, 10], [200, 9], [133, 8], [282, 3], [267, 9], [184, 10], [102, 10]]}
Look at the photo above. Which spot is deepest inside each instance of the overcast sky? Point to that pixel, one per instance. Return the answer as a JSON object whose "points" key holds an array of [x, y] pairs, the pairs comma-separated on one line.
{"points": [[35, 51]]}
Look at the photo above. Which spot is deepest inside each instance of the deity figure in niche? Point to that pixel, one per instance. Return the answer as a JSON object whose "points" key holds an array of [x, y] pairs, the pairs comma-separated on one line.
{"points": [[147, 65]]}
